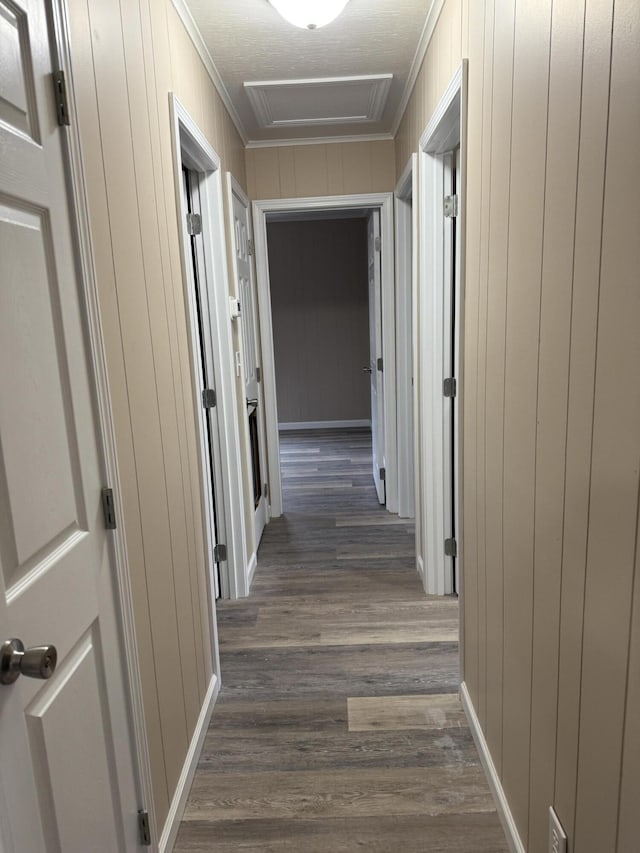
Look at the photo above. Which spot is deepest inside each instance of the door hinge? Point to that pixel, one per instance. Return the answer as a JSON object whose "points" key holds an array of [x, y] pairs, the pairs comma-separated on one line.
{"points": [[265, 491], [451, 206], [449, 387], [144, 829], [450, 548], [209, 398], [378, 244], [258, 374], [250, 248], [220, 553], [62, 104], [108, 509], [380, 364], [383, 473], [194, 224]]}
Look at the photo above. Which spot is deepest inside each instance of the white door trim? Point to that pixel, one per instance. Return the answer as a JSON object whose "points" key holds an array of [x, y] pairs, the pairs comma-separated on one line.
{"points": [[368, 201], [444, 132], [107, 438], [234, 188], [187, 137], [406, 212]]}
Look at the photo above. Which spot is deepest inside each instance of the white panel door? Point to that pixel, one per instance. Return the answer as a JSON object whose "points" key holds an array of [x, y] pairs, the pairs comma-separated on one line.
{"points": [[250, 349], [375, 351], [67, 781]]}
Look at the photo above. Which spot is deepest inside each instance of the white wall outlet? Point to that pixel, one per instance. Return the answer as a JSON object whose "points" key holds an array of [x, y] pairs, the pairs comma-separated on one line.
{"points": [[557, 835]]}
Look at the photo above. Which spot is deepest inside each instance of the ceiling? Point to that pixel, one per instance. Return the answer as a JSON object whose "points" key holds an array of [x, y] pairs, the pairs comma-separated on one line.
{"points": [[281, 83]]}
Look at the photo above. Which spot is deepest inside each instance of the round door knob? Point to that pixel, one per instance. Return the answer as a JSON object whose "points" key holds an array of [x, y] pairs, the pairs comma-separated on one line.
{"points": [[36, 662]]}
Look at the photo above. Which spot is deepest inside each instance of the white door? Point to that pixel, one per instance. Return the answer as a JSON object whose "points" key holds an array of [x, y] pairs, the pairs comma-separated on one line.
{"points": [[67, 780], [376, 366], [243, 267]]}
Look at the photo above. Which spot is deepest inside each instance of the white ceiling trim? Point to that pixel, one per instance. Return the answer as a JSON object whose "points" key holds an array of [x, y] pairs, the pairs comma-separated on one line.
{"points": [[319, 140], [421, 51], [194, 33], [198, 42], [368, 97]]}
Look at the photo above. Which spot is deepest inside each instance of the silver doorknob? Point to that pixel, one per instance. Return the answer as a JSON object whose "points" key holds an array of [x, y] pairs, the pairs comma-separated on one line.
{"points": [[36, 662], [252, 404], [366, 370]]}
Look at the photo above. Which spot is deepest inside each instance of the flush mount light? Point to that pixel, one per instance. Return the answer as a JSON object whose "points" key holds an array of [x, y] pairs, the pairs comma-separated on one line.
{"points": [[309, 14]]}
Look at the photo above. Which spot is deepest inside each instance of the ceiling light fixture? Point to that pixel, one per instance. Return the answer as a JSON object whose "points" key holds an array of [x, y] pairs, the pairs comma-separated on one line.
{"points": [[309, 14]]}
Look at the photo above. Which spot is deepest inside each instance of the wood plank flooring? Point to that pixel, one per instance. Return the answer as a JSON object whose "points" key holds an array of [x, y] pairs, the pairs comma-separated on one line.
{"points": [[338, 727]]}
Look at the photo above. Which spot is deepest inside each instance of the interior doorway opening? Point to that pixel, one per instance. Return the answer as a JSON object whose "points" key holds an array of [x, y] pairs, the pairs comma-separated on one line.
{"points": [[376, 365]]}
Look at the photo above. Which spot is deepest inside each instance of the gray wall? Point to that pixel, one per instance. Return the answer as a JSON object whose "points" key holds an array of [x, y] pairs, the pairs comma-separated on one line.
{"points": [[319, 301]]}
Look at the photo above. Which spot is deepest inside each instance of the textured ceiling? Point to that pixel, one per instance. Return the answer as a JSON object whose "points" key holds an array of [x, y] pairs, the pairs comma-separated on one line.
{"points": [[249, 41]]}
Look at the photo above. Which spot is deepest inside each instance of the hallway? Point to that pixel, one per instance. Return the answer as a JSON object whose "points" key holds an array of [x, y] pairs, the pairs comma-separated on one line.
{"points": [[338, 726]]}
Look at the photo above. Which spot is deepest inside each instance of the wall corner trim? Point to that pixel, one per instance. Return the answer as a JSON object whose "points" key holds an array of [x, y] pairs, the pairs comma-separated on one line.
{"points": [[176, 809], [502, 805], [203, 51]]}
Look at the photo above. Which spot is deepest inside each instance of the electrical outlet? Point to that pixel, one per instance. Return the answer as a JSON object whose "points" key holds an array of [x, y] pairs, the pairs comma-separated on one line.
{"points": [[557, 835]]}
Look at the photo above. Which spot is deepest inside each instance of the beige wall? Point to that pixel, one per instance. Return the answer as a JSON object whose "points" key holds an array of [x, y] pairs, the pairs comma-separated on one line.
{"points": [[126, 59], [552, 409], [320, 310], [337, 168]]}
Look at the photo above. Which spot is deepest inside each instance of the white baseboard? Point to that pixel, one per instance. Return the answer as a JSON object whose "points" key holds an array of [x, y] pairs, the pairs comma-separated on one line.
{"points": [[504, 812], [251, 568], [324, 425], [176, 809]]}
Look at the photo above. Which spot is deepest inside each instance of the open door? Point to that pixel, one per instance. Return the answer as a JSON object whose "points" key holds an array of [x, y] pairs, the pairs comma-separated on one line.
{"points": [[243, 272], [205, 370], [67, 773], [376, 365]]}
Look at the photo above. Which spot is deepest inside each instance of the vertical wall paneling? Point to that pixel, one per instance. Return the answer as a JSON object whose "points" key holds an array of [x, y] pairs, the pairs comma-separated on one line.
{"points": [[615, 455], [471, 313], [553, 380], [336, 168], [483, 264], [126, 60], [629, 816], [498, 238], [95, 177], [189, 650], [583, 329], [526, 206]]}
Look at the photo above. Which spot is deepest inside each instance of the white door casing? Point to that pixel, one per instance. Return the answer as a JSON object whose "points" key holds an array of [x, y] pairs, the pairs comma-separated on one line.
{"points": [[443, 134], [190, 145], [383, 202], [376, 361], [241, 237], [406, 221], [67, 776]]}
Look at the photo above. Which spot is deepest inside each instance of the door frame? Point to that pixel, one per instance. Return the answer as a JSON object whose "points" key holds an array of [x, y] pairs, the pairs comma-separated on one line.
{"points": [[106, 438], [445, 131], [188, 138], [406, 233], [234, 188], [369, 201]]}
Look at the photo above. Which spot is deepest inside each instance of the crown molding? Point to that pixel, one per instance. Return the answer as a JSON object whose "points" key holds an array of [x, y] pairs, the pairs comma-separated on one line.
{"points": [[198, 42], [319, 140], [421, 51]]}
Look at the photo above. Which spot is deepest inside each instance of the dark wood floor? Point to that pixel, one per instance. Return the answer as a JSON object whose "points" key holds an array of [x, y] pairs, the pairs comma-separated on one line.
{"points": [[338, 727]]}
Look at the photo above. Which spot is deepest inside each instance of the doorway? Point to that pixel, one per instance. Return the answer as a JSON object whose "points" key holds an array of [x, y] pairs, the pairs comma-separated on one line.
{"points": [[441, 304], [362, 206], [200, 206]]}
